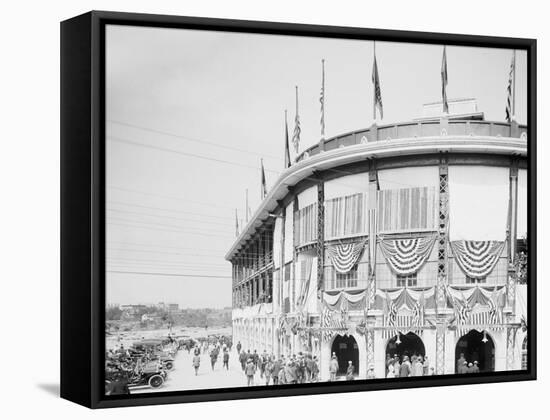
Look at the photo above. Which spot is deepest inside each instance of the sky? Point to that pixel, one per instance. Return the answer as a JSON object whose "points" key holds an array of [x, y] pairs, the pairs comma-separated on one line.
{"points": [[191, 113]]}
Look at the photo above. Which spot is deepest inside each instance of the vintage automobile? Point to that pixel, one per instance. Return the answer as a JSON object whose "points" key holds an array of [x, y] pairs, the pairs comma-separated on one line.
{"points": [[157, 348], [151, 374]]}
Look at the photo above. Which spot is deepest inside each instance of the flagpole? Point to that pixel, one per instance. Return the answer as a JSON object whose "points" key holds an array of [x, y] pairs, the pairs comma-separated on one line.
{"points": [[374, 90], [287, 146], [323, 100], [514, 90], [246, 209]]}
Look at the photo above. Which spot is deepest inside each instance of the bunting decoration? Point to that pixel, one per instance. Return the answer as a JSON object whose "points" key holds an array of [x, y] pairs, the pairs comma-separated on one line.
{"points": [[345, 300], [404, 309], [478, 306], [332, 322], [477, 259], [345, 256], [407, 256]]}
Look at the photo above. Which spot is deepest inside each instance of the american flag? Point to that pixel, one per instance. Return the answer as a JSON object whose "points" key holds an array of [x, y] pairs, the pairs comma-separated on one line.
{"points": [[494, 313], [264, 186], [327, 323], [322, 99], [297, 130], [287, 147], [444, 81], [463, 312], [510, 90], [391, 312], [377, 91]]}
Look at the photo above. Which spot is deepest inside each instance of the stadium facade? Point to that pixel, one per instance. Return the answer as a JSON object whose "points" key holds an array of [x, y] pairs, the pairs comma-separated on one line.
{"points": [[395, 239]]}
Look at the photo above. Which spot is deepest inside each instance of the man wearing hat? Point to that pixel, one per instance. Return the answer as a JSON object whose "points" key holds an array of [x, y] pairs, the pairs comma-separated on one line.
{"points": [[249, 371], [463, 368], [370, 372], [333, 367]]}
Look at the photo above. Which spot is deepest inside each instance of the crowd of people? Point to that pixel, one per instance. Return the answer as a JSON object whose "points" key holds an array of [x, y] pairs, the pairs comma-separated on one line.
{"points": [[463, 366], [295, 369], [213, 348], [405, 366]]}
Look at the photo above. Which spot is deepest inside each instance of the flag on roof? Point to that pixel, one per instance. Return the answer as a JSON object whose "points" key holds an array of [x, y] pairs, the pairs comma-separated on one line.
{"points": [[444, 81]]}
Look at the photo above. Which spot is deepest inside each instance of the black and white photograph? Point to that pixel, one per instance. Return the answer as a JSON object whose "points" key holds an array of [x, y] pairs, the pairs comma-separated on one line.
{"points": [[284, 209]]}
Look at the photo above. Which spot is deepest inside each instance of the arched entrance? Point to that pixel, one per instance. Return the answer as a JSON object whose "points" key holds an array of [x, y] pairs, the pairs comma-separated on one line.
{"points": [[408, 344], [476, 347], [346, 349]]}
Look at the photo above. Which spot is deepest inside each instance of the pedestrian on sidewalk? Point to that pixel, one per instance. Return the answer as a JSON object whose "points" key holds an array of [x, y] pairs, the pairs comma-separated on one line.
{"points": [[213, 357], [333, 367], [268, 370], [196, 363], [349, 371], [276, 370], [250, 371], [226, 359], [315, 370]]}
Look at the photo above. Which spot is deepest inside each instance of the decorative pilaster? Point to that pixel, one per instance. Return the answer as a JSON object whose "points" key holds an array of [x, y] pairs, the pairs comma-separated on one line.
{"points": [[510, 347], [372, 197], [369, 337], [440, 329], [320, 235], [443, 220], [512, 236]]}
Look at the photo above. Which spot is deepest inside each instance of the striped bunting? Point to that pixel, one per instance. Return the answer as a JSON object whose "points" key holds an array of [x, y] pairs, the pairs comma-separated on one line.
{"points": [[345, 256], [406, 256], [477, 258], [405, 321], [332, 322]]}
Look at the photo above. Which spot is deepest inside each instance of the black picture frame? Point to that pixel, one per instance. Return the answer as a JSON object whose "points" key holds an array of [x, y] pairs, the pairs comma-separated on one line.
{"points": [[83, 205]]}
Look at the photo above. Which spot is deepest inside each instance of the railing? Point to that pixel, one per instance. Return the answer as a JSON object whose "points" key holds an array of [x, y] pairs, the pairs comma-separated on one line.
{"points": [[418, 129]]}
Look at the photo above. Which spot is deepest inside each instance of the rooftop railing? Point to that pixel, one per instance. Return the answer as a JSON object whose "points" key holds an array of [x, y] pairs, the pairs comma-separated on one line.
{"points": [[439, 128]]}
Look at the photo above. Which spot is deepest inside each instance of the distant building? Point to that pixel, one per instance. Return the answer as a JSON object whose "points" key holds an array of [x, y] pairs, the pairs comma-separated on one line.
{"points": [[173, 307], [396, 239]]}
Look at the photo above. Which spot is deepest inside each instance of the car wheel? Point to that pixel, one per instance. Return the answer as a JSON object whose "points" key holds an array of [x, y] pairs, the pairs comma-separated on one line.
{"points": [[169, 365], [156, 381]]}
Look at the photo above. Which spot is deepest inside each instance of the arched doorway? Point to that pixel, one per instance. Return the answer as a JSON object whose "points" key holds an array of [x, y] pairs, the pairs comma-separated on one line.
{"points": [[476, 347], [346, 349], [408, 344]]}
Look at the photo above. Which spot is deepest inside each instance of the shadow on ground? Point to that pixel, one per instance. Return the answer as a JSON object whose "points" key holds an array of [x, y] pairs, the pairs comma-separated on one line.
{"points": [[52, 389]]}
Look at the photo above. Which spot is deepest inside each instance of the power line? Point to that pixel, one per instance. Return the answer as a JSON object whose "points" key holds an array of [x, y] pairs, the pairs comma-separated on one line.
{"points": [[179, 152], [180, 137], [227, 225], [168, 197], [165, 230], [122, 219], [168, 274], [167, 262], [171, 210], [161, 246]]}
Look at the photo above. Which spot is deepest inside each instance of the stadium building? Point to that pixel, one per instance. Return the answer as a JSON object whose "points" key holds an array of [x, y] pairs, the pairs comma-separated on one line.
{"points": [[395, 239]]}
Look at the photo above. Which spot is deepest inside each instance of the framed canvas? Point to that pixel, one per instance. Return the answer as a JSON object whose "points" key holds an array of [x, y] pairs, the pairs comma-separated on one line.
{"points": [[255, 209]]}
